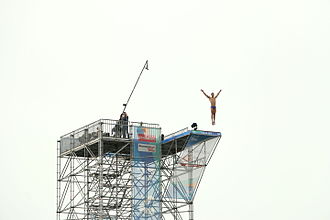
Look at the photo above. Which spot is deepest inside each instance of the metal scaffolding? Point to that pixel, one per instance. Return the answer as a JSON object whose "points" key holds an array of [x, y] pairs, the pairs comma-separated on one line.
{"points": [[104, 174]]}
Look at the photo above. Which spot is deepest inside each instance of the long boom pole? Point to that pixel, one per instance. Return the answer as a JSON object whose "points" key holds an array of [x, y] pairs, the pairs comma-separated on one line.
{"points": [[144, 67]]}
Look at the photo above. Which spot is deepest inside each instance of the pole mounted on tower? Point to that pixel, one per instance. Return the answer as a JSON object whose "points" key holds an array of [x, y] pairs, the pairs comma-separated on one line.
{"points": [[144, 67]]}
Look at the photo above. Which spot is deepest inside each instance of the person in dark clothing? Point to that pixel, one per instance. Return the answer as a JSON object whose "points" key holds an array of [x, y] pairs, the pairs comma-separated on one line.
{"points": [[124, 124], [117, 129]]}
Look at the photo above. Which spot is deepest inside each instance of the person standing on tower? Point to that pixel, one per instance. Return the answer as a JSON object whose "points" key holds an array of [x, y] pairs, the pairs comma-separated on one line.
{"points": [[212, 100], [124, 123]]}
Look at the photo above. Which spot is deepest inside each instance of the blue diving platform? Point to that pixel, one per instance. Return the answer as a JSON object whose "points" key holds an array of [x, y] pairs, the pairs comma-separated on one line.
{"points": [[177, 141]]}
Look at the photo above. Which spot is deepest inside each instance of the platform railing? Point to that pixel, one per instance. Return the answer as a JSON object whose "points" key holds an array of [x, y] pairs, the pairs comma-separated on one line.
{"points": [[106, 127], [176, 133]]}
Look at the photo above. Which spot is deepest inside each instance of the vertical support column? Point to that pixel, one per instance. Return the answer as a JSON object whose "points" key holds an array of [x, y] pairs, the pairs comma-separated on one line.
{"points": [[190, 173], [116, 174], [175, 205], [86, 179], [191, 211], [100, 166], [87, 189], [190, 182], [71, 178], [58, 184]]}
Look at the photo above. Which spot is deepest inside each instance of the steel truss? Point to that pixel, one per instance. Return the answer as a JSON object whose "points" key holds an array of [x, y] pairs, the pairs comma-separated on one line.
{"points": [[95, 183]]}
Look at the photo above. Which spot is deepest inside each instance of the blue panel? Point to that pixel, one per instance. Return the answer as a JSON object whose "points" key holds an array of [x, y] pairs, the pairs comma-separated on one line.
{"points": [[146, 174]]}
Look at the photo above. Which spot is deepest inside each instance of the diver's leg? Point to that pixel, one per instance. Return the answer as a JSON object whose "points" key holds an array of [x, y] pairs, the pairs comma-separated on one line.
{"points": [[213, 115]]}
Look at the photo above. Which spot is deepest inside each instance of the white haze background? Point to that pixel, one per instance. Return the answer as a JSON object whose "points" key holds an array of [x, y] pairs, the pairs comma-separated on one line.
{"points": [[64, 64]]}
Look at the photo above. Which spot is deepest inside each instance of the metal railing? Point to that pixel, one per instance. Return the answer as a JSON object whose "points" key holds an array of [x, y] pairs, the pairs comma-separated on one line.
{"points": [[102, 128], [176, 133]]}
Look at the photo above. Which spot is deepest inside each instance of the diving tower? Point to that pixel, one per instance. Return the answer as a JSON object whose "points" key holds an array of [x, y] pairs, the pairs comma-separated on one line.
{"points": [[116, 170]]}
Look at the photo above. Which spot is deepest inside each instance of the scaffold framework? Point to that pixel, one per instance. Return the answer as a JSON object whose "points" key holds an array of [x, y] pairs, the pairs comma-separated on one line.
{"points": [[105, 175]]}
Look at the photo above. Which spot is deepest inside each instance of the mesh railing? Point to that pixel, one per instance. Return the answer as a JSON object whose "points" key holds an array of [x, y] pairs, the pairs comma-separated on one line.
{"points": [[101, 128]]}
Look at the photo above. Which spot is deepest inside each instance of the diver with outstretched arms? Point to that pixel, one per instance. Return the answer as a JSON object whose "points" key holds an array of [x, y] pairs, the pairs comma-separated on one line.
{"points": [[212, 100]]}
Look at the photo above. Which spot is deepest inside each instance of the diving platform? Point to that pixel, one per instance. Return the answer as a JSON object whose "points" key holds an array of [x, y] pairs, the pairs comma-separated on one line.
{"points": [[177, 141], [85, 141]]}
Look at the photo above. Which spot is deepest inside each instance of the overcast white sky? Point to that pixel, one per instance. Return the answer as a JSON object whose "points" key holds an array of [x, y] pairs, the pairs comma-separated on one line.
{"points": [[64, 64]]}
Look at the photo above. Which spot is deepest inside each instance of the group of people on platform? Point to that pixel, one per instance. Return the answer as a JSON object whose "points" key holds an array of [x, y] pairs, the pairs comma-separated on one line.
{"points": [[120, 130]]}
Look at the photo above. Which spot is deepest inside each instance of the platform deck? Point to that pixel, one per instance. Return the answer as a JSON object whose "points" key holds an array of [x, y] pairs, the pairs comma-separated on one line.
{"points": [[122, 146]]}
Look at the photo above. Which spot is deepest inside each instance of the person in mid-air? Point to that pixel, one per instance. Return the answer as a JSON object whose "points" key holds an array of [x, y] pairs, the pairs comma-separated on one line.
{"points": [[212, 99]]}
